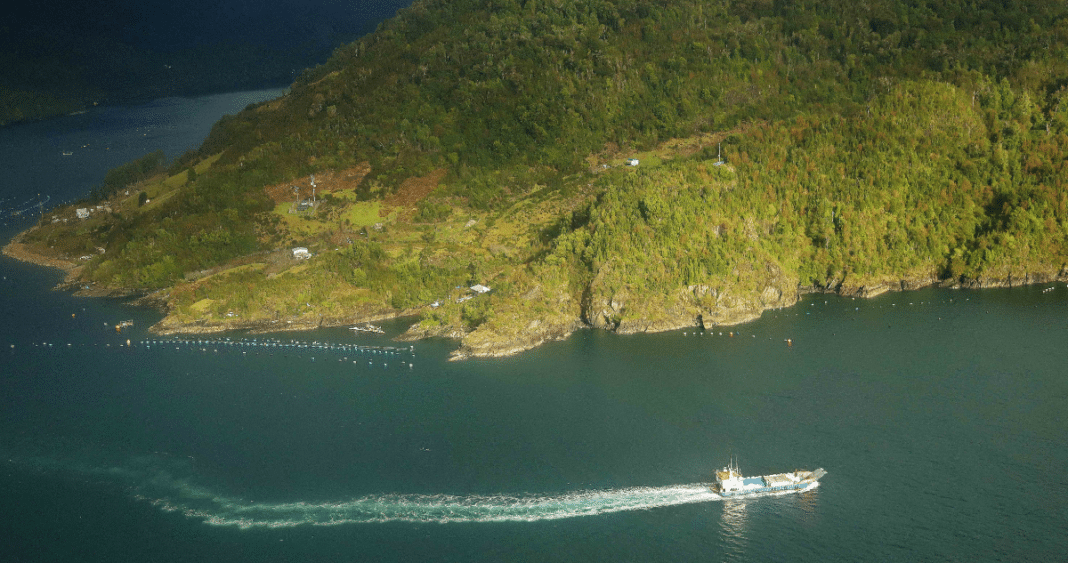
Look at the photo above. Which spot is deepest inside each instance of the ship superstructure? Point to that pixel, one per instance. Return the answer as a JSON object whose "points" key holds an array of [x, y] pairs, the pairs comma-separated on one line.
{"points": [[730, 482]]}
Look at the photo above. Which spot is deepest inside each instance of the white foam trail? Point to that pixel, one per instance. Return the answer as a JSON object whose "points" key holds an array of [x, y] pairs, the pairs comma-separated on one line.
{"points": [[222, 511], [152, 480]]}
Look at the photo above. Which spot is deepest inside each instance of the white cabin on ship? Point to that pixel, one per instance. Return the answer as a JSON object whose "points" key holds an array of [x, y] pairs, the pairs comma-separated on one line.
{"points": [[730, 482]]}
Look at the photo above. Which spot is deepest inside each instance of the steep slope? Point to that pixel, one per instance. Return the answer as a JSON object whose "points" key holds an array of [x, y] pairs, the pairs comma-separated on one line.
{"points": [[484, 142]]}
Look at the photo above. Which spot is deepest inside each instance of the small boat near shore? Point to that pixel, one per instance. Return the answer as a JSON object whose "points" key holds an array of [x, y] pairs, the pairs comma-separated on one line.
{"points": [[730, 482]]}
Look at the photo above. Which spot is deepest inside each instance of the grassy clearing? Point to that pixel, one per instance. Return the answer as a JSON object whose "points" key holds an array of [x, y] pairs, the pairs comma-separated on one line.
{"points": [[364, 214], [201, 307]]}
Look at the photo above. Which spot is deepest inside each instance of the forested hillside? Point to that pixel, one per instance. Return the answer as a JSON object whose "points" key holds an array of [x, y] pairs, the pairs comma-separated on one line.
{"points": [[862, 144]]}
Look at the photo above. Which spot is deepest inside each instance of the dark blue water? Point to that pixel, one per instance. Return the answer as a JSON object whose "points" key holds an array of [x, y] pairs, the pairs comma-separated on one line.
{"points": [[938, 415], [36, 167]]}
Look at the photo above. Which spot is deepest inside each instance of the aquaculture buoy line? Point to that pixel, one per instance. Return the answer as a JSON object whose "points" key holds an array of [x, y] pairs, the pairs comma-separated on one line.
{"points": [[377, 356], [272, 345], [23, 207], [840, 305]]}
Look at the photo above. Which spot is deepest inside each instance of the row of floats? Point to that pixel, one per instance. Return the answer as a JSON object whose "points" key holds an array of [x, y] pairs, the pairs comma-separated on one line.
{"points": [[357, 353]]}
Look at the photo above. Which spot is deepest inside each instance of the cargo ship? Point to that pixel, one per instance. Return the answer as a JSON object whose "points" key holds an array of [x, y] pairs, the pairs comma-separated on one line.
{"points": [[730, 482]]}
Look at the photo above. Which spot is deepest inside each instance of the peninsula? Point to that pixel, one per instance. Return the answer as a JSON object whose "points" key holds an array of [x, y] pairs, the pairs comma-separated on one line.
{"points": [[508, 172]]}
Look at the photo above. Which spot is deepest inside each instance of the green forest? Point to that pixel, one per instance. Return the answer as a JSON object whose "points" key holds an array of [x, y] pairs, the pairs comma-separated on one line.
{"points": [[784, 144]]}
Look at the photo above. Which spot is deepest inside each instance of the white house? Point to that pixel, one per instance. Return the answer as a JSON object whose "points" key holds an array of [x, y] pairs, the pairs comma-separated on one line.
{"points": [[632, 162], [82, 212], [301, 253], [479, 288]]}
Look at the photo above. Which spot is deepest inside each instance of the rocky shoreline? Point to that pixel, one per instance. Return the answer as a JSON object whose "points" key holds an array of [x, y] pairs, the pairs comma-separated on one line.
{"points": [[24, 253], [166, 326], [696, 306], [741, 311], [983, 282]]}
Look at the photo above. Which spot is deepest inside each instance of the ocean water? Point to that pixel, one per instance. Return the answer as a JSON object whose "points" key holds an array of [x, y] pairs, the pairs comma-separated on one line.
{"points": [[938, 414]]}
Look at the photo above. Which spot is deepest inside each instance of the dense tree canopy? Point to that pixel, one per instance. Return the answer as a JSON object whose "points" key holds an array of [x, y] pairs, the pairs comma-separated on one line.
{"points": [[863, 142]]}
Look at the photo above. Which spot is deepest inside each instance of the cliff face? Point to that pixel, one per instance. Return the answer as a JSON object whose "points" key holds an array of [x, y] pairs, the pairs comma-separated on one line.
{"points": [[696, 305], [548, 312]]}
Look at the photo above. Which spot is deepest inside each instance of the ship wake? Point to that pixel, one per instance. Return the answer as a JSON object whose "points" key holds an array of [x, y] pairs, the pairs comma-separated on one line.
{"points": [[165, 486], [439, 509]]}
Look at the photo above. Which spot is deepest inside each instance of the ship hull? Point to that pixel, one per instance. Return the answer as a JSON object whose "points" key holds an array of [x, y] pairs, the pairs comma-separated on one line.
{"points": [[768, 490], [782, 483]]}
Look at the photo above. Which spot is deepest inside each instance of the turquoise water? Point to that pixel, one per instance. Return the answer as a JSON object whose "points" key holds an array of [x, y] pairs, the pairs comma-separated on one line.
{"points": [[938, 415]]}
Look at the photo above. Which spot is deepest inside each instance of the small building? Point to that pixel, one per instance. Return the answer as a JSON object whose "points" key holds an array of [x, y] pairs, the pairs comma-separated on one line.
{"points": [[480, 289], [632, 162], [82, 212], [301, 253]]}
